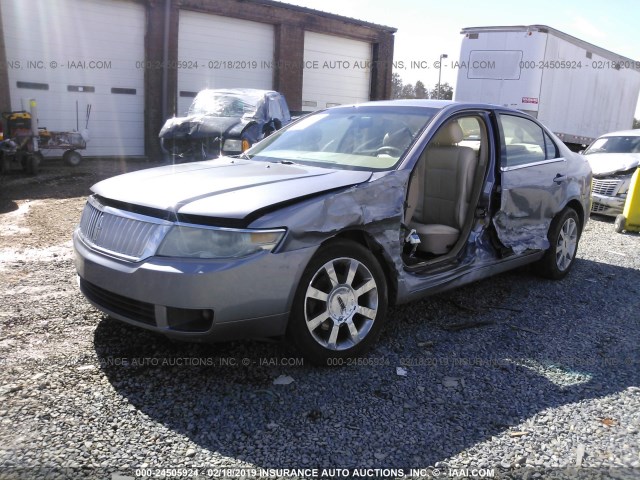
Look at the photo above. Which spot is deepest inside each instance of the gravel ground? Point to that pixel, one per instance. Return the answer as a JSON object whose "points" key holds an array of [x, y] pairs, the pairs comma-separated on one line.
{"points": [[515, 374]]}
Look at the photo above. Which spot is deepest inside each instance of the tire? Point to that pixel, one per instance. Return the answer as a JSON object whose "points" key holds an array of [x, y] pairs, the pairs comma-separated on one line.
{"points": [[24, 161], [72, 158], [5, 164], [33, 163], [620, 223], [564, 235], [340, 304]]}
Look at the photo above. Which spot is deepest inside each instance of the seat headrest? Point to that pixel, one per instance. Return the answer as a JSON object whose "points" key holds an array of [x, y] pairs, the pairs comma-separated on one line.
{"points": [[449, 134]]}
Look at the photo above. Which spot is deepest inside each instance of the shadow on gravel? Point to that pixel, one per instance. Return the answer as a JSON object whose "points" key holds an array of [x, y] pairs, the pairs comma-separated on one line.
{"points": [[602, 218], [479, 361], [7, 206], [611, 221]]}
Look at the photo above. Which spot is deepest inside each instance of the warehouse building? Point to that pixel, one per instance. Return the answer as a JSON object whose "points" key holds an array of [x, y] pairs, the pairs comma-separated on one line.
{"points": [[123, 66]]}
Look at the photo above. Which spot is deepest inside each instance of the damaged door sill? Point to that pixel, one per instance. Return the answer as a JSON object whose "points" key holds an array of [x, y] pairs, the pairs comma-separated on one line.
{"points": [[450, 262], [445, 262]]}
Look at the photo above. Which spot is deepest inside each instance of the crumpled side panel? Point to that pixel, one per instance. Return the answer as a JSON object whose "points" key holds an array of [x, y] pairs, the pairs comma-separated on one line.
{"points": [[317, 219], [527, 223]]}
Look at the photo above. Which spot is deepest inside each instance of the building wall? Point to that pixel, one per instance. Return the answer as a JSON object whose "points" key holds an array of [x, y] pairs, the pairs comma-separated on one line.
{"points": [[290, 24]]}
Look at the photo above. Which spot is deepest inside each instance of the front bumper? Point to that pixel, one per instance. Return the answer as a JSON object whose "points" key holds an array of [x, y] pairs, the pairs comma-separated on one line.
{"points": [[608, 194], [604, 205], [195, 299], [198, 148]]}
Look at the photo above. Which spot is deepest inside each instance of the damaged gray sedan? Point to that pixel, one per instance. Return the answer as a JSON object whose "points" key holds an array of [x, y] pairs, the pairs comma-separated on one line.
{"points": [[613, 159], [316, 230]]}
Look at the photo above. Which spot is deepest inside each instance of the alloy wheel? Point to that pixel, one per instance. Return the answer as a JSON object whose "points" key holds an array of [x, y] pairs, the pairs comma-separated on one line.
{"points": [[341, 303], [567, 244]]}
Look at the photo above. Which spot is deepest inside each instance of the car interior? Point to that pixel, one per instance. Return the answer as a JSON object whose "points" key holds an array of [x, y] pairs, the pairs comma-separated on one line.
{"points": [[444, 190]]}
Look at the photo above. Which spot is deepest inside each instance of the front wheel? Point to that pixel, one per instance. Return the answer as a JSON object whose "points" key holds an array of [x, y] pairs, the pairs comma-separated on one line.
{"points": [[564, 235], [32, 163], [340, 304]]}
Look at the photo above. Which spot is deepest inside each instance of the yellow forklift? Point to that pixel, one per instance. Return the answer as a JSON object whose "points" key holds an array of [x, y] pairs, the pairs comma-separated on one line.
{"points": [[19, 144]]}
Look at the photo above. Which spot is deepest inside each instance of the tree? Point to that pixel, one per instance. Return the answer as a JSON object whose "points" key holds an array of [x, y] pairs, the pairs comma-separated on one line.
{"points": [[445, 92], [636, 123], [401, 90], [420, 90], [408, 91], [396, 85]]}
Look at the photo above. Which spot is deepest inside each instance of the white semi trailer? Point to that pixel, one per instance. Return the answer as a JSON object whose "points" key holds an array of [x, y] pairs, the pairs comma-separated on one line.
{"points": [[579, 90]]}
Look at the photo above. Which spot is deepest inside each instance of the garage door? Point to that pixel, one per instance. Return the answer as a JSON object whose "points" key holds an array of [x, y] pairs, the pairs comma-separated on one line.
{"points": [[222, 52], [72, 55], [337, 71]]}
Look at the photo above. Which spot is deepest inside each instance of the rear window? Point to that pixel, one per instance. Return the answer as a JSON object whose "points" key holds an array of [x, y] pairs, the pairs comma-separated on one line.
{"points": [[525, 142]]}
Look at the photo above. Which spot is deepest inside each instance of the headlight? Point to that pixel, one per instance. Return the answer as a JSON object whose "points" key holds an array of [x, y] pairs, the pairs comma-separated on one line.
{"points": [[205, 242], [232, 145]]}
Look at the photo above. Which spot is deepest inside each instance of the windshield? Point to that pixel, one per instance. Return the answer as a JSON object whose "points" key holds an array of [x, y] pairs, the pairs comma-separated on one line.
{"points": [[221, 103], [622, 144], [360, 138]]}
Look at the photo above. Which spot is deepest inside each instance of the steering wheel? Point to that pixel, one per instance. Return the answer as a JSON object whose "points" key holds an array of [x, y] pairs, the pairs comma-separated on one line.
{"points": [[389, 150]]}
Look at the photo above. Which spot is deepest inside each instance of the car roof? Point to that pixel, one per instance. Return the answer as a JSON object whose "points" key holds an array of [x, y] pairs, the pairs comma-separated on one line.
{"points": [[623, 133], [428, 103], [412, 102]]}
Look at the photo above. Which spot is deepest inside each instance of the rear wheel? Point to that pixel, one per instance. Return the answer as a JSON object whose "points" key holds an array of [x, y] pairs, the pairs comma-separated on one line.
{"points": [[340, 304], [564, 235], [72, 158]]}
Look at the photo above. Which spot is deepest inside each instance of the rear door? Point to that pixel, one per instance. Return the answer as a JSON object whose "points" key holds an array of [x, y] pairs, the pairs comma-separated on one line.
{"points": [[533, 179]]}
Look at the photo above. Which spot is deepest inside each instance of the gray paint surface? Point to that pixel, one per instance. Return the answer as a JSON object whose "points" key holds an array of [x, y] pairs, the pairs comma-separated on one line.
{"points": [[315, 205]]}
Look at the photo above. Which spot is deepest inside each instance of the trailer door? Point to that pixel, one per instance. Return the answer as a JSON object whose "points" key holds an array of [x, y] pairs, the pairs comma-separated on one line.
{"points": [[533, 177]]}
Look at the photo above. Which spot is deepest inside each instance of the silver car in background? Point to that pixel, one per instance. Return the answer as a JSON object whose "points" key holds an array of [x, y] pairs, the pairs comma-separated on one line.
{"points": [[316, 230], [613, 158]]}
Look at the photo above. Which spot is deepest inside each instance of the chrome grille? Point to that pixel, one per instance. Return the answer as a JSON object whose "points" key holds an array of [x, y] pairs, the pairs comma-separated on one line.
{"points": [[598, 207], [119, 234], [607, 187]]}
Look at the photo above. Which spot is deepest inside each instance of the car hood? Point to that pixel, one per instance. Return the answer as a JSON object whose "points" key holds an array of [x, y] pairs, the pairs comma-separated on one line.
{"points": [[609, 163], [196, 126], [225, 187]]}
